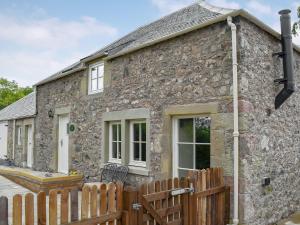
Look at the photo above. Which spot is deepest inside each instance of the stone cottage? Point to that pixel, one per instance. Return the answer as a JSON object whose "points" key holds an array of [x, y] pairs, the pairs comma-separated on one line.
{"points": [[17, 131], [160, 101]]}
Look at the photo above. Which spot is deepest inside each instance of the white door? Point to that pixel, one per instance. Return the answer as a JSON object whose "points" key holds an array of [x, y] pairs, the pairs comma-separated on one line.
{"points": [[63, 144], [3, 139], [29, 146], [191, 144]]}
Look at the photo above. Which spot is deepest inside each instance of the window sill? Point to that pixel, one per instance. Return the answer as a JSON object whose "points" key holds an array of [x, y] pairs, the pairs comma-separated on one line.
{"points": [[138, 170], [95, 92]]}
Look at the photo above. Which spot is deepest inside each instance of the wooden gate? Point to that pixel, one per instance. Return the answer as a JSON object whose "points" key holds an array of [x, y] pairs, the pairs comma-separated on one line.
{"points": [[199, 199]]}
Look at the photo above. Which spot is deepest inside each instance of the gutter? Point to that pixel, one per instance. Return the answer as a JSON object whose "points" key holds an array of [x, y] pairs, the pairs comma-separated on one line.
{"points": [[235, 124]]}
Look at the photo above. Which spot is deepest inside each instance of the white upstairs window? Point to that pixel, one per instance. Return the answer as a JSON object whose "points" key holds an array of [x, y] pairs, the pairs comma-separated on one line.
{"points": [[96, 78]]}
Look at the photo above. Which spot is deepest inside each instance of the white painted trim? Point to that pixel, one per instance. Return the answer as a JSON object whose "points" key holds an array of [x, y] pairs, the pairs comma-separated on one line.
{"points": [[133, 162], [175, 141], [110, 158], [90, 91]]}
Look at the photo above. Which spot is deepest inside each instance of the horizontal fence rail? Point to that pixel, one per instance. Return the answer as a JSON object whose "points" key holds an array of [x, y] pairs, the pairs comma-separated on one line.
{"points": [[201, 198]]}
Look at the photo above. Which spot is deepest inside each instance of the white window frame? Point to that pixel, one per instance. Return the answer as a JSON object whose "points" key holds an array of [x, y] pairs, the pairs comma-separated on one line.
{"points": [[133, 162], [176, 142], [110, 158], [19, 133], [90, 91]]}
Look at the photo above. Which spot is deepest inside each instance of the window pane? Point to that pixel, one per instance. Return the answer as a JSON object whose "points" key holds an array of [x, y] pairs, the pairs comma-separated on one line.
{"points": [[94, 73], [119, 153], [182, 173], [144, 152], [136, 132], [143, 127], [119, 126], [100, 71], [202, 156], [94, 85], [100, 83], [202, 128], [185, 132], [114, 150], [115, 132], [136, 151], [186, 157]]}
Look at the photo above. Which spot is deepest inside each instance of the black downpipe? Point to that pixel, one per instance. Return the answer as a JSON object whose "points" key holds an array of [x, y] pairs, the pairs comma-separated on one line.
{"points": [[288, 59]]}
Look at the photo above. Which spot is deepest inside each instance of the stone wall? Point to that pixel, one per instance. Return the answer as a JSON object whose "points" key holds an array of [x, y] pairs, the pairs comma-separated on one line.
{"points": [[270, 146], [15, 151], [10, 141], [191, 69]]}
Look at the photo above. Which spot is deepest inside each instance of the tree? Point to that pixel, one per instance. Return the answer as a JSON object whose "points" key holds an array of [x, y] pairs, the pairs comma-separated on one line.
{"points": [[296, 25], [10, 92]]}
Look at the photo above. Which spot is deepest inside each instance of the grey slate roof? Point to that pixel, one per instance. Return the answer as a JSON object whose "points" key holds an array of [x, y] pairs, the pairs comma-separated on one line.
{"points": [[23, 108], [182, 19], [195, 14]]}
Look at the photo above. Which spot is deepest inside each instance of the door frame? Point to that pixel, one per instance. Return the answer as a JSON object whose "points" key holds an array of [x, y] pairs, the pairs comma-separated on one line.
{"points": [[27, 126], [58, 141]]}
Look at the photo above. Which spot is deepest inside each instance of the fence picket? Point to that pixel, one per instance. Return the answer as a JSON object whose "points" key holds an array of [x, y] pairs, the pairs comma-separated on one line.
{"points": [[74, 205], [103, 200], [3, 210], [111, 200], [184, 200], [93, 201], [119, 199], [151, 188], [29, 209], [64, 208], [85, 197], [53, 207], [17, 210], [41, 201], [170, 199]]}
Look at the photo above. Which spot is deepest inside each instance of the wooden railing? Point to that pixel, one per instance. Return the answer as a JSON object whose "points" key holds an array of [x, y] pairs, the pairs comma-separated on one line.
{"points": [[199, 199]]}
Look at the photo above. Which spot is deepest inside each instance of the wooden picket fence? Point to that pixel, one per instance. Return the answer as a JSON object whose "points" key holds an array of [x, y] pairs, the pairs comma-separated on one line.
{"points": [[199, 199]]}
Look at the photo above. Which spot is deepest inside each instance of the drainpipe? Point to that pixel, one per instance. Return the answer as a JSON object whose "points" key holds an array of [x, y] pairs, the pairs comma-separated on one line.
{"points": [[235, 125]]}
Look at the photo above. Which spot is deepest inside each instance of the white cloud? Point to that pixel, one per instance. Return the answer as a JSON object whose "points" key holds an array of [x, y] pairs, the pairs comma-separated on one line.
{"points": [[168, 6], [34, 48], [259, 7], [51, 32], [225, 4]]}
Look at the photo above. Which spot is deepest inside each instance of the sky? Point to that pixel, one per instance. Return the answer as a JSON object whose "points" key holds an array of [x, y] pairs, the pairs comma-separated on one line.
{"points": [[41, 37]]}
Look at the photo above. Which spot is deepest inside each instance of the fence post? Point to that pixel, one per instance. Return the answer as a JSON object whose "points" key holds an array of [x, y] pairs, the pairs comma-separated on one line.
{"points": [[3, 211], [129, 198]]}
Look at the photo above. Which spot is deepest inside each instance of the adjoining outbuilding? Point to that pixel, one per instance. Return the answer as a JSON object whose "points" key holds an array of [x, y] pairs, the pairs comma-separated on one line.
{"points": [[17, 131]]}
